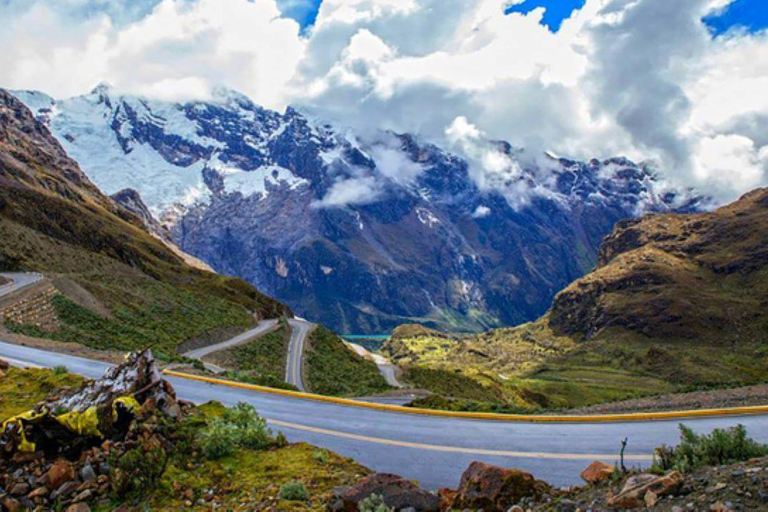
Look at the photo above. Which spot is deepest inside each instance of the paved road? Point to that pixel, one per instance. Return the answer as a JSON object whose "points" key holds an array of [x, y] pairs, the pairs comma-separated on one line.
{"points": [[434, 451], [294, 364], [263, 327], [386, 368], [18, 282]]}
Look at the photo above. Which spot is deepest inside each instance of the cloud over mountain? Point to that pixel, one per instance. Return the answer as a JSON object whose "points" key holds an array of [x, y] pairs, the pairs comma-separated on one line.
{"points": [[644, 78]]}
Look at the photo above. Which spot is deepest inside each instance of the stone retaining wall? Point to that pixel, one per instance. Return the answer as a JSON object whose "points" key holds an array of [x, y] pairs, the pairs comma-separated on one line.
{"points": [[32, 306]]}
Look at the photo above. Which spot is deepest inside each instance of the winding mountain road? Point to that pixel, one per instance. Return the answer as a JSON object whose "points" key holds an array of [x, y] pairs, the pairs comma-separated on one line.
{"points": [[263, 327], [18, 282], [294, 364], [433, 450]]}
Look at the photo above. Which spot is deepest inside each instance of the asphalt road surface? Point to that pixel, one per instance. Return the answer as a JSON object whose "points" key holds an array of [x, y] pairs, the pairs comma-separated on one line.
{"points": [[294, 363], [434, 451], [18, 282], [263, 327]]}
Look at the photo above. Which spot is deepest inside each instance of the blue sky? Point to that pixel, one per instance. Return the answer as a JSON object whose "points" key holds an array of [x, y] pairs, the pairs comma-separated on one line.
{"points": [[749, 14], [303, 11], [556, 10]]}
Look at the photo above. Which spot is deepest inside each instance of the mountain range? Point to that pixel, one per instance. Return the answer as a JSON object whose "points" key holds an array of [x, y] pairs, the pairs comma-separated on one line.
{"points": [[358, 232]]}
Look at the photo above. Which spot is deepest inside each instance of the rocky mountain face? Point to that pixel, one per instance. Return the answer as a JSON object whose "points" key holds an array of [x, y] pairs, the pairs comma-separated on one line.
{"points": [[677, 276], [358, 233], [54, 220]]}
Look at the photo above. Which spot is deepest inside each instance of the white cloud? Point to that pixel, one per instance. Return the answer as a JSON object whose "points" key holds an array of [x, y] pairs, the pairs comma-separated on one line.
{"points": [[640, 78], [189, 47], [481, 212], [350, 191]]}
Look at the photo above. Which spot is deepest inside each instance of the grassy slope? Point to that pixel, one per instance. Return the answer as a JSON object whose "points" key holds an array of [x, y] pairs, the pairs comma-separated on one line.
{"points": [[3, 281], [53, 220], [678, 303], [21, 389], [332, 369]]}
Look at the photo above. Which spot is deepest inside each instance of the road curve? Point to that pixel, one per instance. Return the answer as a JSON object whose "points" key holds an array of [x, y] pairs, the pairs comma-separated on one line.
{"points": [[294, 363], [433, 450], [263, 327], [18, 282]]}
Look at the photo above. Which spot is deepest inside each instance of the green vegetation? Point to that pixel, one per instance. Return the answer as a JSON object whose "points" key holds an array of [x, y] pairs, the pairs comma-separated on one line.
{"points": [[720, 447], [332, 369], [451, 384], [22, 389], [239, 427], [154, 299], [374, 503], [269, 477], [262, 359], [293, 491], [4, 281]]}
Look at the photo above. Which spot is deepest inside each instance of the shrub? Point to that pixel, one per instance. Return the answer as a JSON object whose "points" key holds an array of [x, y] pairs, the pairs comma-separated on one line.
{"points": [[320, 456], [240, 426], [293, 491], [218, 439], [136, 473], [60, 370], [374, 503], [722, 446]]}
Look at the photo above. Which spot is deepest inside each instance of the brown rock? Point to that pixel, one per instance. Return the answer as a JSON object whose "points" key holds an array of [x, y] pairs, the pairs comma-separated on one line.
{"points": [[10, 504], [447, 497], [397, 493], [496, 489], [19, 489], [634, 491], [40, 492], [597, 472], [61, 472], [79, 507], [651, 498]]}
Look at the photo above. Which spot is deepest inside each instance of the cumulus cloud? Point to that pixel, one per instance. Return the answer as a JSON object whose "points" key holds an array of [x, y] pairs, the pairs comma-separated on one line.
{"points": [[639, 78], [189, 47]]}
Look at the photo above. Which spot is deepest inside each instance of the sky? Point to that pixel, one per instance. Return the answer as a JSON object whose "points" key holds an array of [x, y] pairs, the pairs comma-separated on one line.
{"points": [[678, 84]]}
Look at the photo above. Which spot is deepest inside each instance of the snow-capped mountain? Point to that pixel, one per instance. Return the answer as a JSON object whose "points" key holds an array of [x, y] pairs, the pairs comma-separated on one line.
{"points": [[361, 234]]}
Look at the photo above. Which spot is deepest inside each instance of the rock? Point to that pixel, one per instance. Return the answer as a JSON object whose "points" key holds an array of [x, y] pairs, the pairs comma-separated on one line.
{"points": [[40, 492], [633, 493], [19, 489], [516, 508], [597, 472], [10, 504], [651, 498], [495, 489], [397, 493], [61, 472], [678, 509], [66, 490], [87, 473], [79, 507], [719, 507]]}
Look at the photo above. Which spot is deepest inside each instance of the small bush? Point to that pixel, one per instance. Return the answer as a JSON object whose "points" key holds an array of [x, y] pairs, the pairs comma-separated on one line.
{"points": [[136, 473], [240, 426], [722, 446], [293, 491], [320, 456], [374, 503], [60, 370]]}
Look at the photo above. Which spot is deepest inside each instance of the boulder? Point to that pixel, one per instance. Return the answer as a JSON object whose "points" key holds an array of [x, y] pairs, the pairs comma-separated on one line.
{"points": [[597, 472], [633, 493], [397, 493], [61, 472], [495, 489]]}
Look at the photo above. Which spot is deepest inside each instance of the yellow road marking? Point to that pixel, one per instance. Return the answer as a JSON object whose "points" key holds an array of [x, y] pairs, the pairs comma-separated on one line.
{"points": [[529, 418], [456, 449]]}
